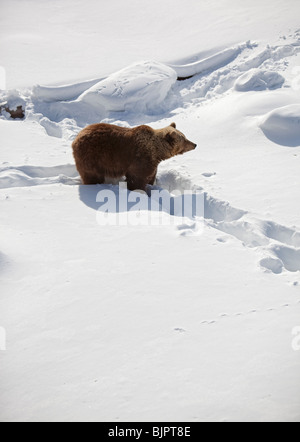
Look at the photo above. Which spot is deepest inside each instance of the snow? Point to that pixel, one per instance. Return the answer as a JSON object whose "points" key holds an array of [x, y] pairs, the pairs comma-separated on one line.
{"points": [[209, 63], [62, 42], [142, 86], [283, 125], [193, 319], [62, 93], [258, 80], [12, 99]]}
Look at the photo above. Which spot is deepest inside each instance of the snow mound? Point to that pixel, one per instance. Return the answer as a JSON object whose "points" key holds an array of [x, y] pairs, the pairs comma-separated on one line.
{"points": [[142, 86], [258, 80], [282, 125]]}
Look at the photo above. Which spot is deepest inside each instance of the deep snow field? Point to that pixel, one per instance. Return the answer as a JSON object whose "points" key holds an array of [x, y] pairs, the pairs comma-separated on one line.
{"points": [[195, 319]]}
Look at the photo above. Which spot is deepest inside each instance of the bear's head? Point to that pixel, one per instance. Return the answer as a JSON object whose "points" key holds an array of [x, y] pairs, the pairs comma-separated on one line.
{"points": [[177, 140]]}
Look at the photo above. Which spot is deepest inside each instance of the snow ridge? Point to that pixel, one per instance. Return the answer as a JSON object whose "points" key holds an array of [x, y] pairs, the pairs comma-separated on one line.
{"points": [[151, 88], [26, 176]]}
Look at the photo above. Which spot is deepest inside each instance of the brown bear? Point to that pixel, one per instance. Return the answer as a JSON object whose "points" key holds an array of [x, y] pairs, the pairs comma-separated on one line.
{"points": [[105, 150]]}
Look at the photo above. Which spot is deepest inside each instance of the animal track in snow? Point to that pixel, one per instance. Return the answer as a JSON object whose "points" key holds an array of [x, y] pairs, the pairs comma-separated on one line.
{"points": [[209, 174], [280, 244], [289, 256], [272, 264], [223, 316], [282, 234]]}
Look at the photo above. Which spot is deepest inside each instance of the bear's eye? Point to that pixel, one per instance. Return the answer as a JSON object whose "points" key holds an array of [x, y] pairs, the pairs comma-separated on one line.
{"points": [[170, 138]]}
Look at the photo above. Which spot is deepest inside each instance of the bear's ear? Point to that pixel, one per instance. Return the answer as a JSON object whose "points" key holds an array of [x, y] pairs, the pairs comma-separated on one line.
{"points": [[173, 125]]}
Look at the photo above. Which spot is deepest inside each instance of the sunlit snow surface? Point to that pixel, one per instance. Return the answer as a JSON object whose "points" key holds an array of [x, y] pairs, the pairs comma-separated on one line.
{"points": [[194, 319]]}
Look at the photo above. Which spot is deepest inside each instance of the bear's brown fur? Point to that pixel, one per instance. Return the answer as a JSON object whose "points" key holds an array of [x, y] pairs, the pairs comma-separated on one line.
{"points": [[105, 150]]}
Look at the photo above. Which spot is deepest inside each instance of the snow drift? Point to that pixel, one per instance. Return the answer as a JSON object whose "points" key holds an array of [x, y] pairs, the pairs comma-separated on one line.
{"points": [[282, 125], [258, 80], [61, 93], [140, 87]]}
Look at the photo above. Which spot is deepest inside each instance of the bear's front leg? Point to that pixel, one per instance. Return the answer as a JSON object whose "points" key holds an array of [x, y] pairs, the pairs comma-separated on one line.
{"points": [[135, 183], [152, 178], [92, 177]]}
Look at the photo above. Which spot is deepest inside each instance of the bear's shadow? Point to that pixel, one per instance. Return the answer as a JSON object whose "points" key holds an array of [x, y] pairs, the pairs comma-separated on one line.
{"points": [[113, 199]]}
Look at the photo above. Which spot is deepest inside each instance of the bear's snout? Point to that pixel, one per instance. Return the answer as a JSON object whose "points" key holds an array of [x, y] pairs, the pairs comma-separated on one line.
{"points": [[191, 146]]}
